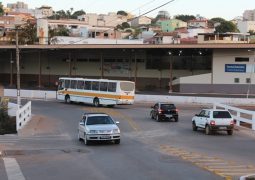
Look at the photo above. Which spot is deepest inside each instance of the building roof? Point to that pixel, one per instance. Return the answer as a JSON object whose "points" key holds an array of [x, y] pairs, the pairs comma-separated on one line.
{"points": [[133, 46], [198, 20]]}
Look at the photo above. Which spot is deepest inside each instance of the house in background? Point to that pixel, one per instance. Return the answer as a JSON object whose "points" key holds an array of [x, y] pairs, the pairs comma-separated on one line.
{"points": [[108, 20], [246, 26], [140, 21], [198, 23], [223, 38], [171, 24]]}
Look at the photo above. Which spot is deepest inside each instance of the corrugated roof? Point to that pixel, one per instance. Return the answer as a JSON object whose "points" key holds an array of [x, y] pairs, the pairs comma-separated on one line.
{"points": [[132, 46]]}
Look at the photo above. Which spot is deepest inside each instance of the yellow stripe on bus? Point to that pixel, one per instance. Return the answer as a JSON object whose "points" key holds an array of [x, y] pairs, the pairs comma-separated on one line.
{"points": [[110, 96]]}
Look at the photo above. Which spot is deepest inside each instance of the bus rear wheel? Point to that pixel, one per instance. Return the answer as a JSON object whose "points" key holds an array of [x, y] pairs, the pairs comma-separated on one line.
{"points": [[96, 102]]}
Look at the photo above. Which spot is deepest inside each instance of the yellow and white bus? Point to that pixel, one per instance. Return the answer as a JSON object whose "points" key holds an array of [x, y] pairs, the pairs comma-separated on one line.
{"points": [[96, 91]]}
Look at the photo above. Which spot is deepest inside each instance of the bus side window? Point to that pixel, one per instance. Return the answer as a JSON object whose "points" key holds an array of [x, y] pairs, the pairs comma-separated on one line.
{"points": [[95, 85], [67, 84], [87, 85], [103, 86], [112, 87], [73, 84], [80, 85]]}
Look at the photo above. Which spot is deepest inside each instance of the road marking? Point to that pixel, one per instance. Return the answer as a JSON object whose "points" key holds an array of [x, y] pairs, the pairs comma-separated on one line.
{"points": [[12, 169], [114, 113], [226, 169]]}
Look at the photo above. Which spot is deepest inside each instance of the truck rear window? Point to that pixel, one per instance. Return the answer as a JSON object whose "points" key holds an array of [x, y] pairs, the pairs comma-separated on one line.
{"points": [[221, 114]]}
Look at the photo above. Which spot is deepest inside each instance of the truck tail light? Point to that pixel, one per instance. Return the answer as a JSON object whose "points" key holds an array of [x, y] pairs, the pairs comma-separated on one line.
{"points": [[212, 123]]}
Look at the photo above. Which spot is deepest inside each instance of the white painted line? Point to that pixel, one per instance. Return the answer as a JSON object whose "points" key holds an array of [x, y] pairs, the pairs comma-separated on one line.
{"points": [[12, 169]]}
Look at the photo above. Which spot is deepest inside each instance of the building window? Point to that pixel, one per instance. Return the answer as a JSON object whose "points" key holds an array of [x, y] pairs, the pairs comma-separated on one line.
{"points": [[248, 80], [106, 35], [241, 59], [236, 80]]}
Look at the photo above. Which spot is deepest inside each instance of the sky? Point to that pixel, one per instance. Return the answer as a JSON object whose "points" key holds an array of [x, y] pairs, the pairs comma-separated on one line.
{"points": [[227, 9]]}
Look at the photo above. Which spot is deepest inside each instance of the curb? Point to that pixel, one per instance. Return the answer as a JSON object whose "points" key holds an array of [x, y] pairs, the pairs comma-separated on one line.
{"points": [[250, 177]]}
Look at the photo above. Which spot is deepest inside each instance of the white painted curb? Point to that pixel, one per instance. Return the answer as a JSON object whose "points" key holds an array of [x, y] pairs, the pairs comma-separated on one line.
{"points": [[247, 176]]}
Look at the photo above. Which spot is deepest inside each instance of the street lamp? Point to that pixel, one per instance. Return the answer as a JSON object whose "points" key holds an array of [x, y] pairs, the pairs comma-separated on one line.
{"points": [[252, 71]]}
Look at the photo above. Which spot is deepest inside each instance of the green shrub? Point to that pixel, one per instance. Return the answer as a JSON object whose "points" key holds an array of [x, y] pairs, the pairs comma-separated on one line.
{"points": [[7, 124]]}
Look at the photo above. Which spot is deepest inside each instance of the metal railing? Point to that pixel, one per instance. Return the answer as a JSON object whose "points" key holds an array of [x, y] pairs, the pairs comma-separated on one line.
{"points": [[23, 116], [240, 115]]}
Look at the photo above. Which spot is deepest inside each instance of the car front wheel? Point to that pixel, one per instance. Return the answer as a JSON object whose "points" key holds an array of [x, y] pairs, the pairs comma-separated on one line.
{"points": [[152, 116], [79, 138], [230, 132], [117, 141], [86, 141], [157, 118], [194, 127], [207, 130]]}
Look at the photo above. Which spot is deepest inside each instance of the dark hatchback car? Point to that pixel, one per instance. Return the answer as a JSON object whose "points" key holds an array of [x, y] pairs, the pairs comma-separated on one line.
{"points": [[164, 111]]}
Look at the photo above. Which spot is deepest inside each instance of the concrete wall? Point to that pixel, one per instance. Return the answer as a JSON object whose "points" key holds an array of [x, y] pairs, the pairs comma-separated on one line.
{"points": [[216, 88], [139, 98], [222, 57], [196, 79]]}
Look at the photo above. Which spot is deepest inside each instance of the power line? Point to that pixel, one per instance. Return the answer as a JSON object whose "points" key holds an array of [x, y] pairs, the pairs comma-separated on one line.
{"points": [[127, 21]]}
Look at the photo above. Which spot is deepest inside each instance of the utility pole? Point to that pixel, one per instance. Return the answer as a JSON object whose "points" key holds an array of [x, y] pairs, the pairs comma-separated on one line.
{"points": [[18, 67], [170, 72]]}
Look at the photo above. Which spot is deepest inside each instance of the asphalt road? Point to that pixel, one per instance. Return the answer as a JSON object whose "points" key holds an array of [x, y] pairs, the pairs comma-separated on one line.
{"points": [[48, 147]]}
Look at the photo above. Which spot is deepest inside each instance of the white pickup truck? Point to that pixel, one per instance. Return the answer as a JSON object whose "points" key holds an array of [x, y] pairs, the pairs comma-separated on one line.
{"points": [[213, 120]]}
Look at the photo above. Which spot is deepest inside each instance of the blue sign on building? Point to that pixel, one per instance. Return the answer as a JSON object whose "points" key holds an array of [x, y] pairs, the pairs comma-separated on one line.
{"points": [[238, 68]]}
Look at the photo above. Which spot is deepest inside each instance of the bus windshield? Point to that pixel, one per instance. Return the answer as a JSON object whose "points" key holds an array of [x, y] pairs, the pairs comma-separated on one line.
{"points": [[127, 86], [60, 84]]}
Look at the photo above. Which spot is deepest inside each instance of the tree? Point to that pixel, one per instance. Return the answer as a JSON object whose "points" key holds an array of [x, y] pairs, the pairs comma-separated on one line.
{"points": [[28, 34], [78, 13], [252, 32], [217, 20], [125, 25], [185, 18], [123, 13], [226, 26], [1, 9], [61, 31]]}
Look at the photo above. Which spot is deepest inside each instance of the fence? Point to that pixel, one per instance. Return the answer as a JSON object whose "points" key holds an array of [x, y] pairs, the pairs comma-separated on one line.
{"points": [[23, 115], [240, 115]]}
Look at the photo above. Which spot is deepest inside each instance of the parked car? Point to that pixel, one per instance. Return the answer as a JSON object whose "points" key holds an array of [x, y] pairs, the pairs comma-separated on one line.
{"points": [[213, 120], [98, 127], [164, 111]]}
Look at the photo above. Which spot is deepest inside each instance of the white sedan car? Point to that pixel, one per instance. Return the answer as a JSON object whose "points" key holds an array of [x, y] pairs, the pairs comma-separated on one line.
{"points": [[98, 127]]}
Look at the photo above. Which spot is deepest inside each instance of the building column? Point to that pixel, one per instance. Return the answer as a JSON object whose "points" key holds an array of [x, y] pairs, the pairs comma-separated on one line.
{"points": [[11, 70], [170, 72], [102, 65], [70, 65], [40, 70], [135, 68]]}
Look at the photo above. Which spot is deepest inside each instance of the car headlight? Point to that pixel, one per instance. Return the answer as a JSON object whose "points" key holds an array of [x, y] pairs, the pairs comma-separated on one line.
{"points": [[93, 132], [116, 131]]}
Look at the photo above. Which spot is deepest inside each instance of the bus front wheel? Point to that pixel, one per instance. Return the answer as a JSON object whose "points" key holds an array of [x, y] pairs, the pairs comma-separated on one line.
{"points": [[96, 102], [67, 99]]}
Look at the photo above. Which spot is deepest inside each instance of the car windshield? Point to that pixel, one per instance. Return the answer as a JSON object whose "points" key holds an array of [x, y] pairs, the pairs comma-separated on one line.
{"points": [[167, 106], [93, 120], [221, 114]]}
